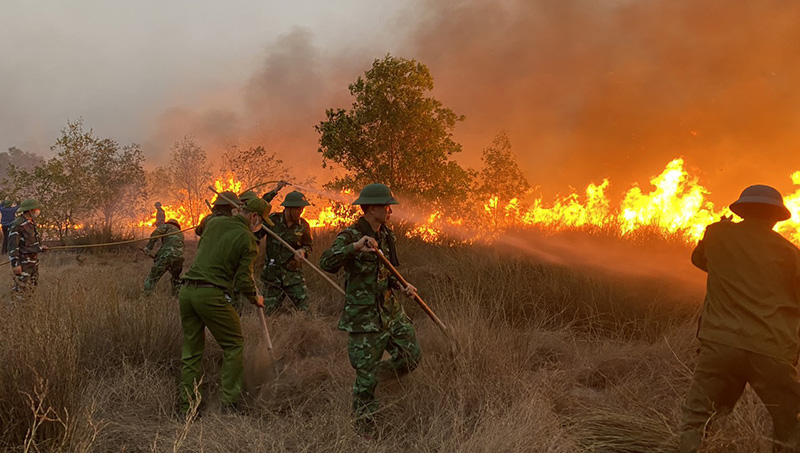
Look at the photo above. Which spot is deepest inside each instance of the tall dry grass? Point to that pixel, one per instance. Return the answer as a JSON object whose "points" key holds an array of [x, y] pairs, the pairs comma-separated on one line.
{"points": [[552, 358]]}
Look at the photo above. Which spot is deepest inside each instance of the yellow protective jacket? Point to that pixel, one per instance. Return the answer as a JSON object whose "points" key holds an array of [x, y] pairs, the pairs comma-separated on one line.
{"points": [[752, 294]]}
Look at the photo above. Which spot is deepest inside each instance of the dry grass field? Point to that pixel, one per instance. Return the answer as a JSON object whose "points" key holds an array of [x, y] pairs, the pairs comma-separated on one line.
{"points": [[565, 345]]}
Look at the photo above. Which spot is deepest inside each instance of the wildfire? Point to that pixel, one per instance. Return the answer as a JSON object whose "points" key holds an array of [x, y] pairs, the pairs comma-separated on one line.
{"points": [[675, 205]]}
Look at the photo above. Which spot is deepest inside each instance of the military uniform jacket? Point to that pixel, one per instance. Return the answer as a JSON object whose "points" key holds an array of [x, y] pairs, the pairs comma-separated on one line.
{"points": [[171, 245], [369, 304], [23, 242], [225, 256], [298, 236], [753, 289]]}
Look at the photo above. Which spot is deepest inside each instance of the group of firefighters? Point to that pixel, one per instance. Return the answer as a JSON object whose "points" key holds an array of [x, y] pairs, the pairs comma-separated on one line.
{"points": [[749, 328]]}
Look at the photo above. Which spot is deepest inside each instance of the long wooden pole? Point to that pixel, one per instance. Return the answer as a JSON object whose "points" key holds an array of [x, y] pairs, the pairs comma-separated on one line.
{"points": [[417, 298]]}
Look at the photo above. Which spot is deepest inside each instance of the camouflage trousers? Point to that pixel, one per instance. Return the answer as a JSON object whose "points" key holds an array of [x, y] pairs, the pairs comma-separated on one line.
{"points": [[719, 379], [365, 350], [162, 264], [280, 283], [29, 279]]}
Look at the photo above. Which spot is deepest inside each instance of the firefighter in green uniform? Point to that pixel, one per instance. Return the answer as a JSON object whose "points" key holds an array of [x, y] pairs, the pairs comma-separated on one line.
{"points": [[24, 247], [372, 316], [223, 268], [283, 274], [169, 257], [749, 325], [221, 207]]}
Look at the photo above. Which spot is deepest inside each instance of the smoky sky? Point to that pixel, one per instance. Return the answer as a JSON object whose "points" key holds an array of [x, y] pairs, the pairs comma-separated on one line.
{"points": [[586, 90]]}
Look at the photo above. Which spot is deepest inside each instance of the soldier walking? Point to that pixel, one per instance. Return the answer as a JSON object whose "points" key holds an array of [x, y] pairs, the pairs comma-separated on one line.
{"points": [[223, 266], [161, 216], [372, 316], [749, 325], [8, 212], [169, 257], [24, 247], [283, 273]]}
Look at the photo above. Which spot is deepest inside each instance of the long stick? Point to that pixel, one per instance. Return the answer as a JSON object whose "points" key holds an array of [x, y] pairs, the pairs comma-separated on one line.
{"points": [[417, 298], [269, 341], [288, 246]]}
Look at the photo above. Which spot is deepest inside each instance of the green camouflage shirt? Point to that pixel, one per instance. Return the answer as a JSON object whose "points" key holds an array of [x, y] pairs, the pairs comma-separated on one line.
{"points": [[225, 256], [369, 303], [298, 236], [171, 245], [23, 242]]}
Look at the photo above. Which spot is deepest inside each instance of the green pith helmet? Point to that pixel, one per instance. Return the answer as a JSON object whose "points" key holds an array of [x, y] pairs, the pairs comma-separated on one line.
{"points": [[157, 204], [295, 200], [174, 222], [379, 194], [28, 204], [761, 201], [225, 198], [7, 203], [261, 207], [247, 196]]}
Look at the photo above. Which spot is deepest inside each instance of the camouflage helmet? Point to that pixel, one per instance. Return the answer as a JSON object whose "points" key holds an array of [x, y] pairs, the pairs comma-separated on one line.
{"points": [[28, 205], [259, 206], [760, 201], [174, 222], [295, 200], [226, 198], [247, 196], [379, 194]]}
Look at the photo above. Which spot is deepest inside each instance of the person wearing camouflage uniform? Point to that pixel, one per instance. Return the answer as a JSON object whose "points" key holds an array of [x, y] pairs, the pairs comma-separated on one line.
{"points": [[169, 256], [223, 268], [161, 216], [221, 207], [748, 329], [372, 316], [24, 247], [283, 274]]}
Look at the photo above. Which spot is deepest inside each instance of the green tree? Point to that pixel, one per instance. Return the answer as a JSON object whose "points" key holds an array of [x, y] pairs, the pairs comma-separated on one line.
{"points": [[395, 133], [87, 178], [190, 176]]}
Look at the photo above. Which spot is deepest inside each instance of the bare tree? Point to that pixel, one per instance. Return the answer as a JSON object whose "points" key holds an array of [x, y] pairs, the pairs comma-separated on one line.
{"points": [[189, 174], [253, 166]]}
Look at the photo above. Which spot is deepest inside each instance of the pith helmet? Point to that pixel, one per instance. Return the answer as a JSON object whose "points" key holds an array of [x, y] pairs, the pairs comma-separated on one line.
{"points": [[7, 203], [375, 194], [226, 198], [28, 205], [295, 200], [761, 201], [174, 222], [247, 195], [261, 207], [157, 204]]}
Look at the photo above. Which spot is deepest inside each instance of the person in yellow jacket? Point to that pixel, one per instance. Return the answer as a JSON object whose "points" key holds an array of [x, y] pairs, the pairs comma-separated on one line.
{"points": [[749, 328]]}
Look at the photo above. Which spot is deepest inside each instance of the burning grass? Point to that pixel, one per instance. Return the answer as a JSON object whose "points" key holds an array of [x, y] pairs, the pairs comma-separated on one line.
{"points": [[555, 356]]}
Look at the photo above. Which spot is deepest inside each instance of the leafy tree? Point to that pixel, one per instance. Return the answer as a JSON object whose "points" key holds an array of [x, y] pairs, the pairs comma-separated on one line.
{"points": [[395, 133], [88, 178], [190, 176], [253, 165]]}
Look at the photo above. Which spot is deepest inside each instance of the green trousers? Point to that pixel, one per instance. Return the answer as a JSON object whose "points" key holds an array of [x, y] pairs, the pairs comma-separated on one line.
{"points": [[719, 379], [208, 307], [365, 351]]}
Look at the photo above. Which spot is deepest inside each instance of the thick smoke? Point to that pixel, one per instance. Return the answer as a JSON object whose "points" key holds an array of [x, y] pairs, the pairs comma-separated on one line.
{"points": [[617, 89], [585, 89]]}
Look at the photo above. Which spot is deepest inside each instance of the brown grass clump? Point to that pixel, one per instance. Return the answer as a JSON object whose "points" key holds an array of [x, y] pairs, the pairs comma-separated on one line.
{"points": [[553, 357]]}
